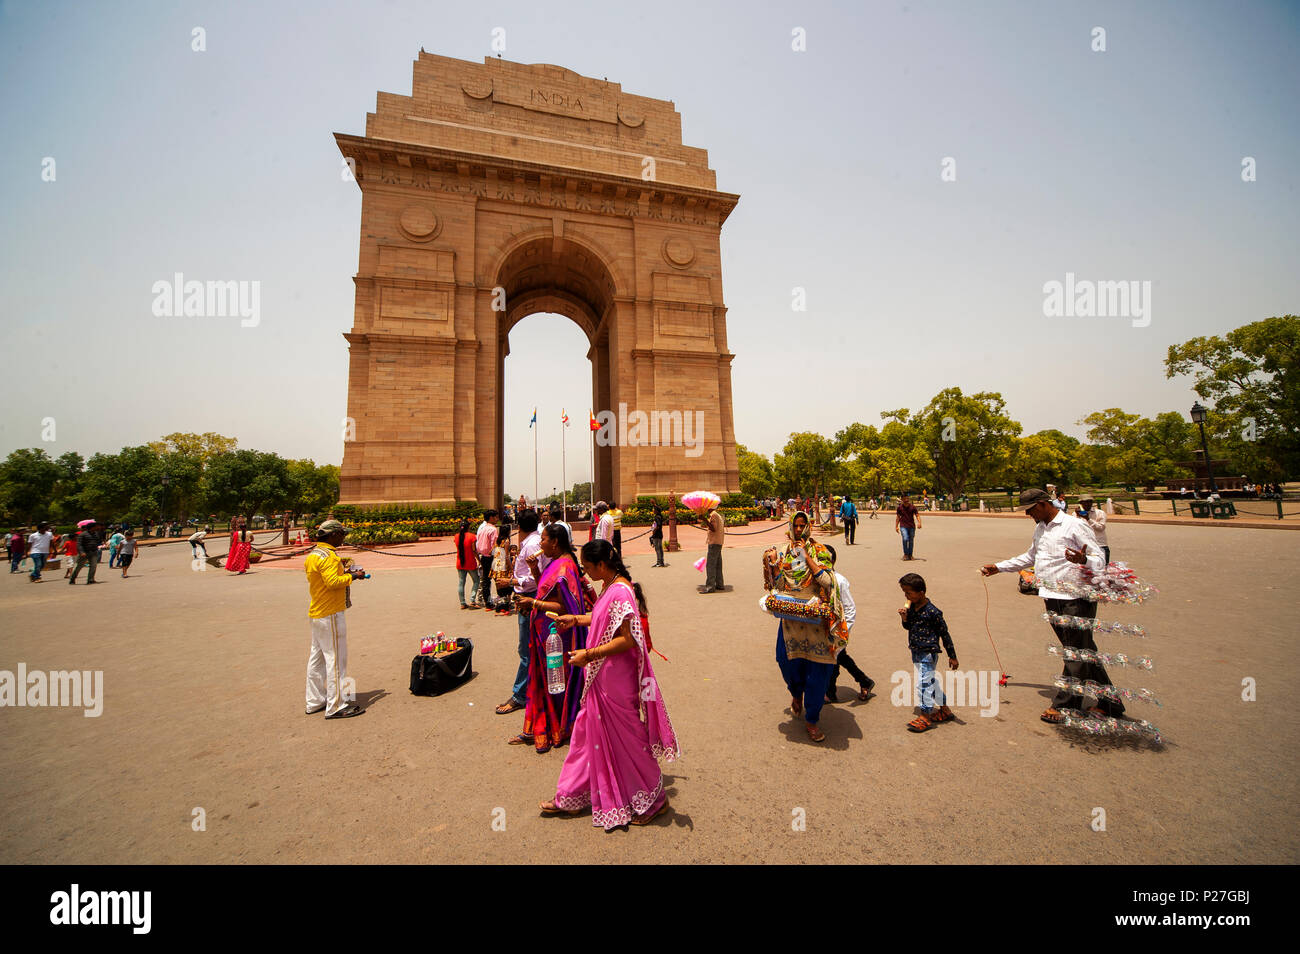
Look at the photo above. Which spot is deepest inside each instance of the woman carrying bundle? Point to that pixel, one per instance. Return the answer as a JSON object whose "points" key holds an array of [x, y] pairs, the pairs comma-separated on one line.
{"points": [[806, 651]]}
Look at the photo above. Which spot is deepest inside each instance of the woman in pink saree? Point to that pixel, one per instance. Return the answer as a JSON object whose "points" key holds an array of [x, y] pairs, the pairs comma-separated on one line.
{"points": [[622, 729]]}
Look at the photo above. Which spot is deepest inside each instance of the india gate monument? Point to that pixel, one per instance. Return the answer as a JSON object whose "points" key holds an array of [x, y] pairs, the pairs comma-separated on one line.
{"points": [[499, 190]]}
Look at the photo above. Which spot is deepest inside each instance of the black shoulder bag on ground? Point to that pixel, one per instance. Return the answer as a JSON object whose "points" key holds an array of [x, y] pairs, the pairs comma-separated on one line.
{"points": [[433, 675]]}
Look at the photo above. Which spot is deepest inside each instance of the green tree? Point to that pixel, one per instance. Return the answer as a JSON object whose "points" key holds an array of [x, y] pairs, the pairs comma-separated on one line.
{"points": [[123, 485], [1252, 376], [801, 465], [247, 482], [27, 483], [202, 446], [757, 476], [968, 438], [1042, 458], [315, 488]]}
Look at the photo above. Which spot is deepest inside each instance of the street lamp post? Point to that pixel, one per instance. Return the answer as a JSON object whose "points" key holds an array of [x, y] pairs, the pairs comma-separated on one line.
{"points": [[162, 516], [938, 484], [1198, 418]]}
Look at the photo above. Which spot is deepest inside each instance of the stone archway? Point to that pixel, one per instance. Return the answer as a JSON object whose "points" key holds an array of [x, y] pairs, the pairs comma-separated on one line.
{"points": [[500, 190]]}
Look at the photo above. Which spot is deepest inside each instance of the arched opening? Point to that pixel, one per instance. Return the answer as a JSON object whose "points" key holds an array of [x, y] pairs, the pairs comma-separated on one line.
{"points": [[546, 369], [552, 276]]}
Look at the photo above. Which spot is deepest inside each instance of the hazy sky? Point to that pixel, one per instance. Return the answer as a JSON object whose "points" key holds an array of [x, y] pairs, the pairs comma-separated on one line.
{"points": [[1116, 165]]}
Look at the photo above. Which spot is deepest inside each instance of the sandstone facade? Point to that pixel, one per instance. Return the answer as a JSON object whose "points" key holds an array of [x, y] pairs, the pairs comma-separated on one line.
{"points": [[500, 190]]}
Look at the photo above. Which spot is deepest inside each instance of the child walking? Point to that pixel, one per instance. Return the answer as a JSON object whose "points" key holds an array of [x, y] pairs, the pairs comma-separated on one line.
{"points": [[69, 554], [865, 682], [926, 628], [126, 553]]}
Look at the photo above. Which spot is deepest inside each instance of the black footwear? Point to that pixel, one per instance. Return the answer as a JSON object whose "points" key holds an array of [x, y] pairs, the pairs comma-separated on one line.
{"points": [[871, 684], [91, 582], [347, 713]]}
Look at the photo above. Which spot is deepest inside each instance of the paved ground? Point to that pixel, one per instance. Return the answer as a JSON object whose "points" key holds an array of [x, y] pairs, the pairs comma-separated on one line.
{"points": [[203, 675]]}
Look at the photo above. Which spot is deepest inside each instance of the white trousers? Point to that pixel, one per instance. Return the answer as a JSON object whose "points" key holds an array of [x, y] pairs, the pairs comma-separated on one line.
{"points": [[327, 666]]}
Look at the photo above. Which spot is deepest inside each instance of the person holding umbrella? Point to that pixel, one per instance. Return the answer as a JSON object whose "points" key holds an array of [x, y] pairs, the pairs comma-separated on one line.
{"points": [[705, 503], [89, 542]]}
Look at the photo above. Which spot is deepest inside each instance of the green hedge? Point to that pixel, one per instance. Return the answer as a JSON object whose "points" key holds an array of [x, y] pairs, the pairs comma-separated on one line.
{"points": [[401, 513]]}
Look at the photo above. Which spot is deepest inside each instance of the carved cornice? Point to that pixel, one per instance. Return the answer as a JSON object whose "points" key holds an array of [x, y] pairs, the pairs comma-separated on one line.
{"points": [[432, 169]]}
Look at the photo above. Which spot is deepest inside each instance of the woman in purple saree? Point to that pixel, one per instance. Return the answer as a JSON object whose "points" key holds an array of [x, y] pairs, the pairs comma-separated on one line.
{"points": [[622, 729], [548, 719]]}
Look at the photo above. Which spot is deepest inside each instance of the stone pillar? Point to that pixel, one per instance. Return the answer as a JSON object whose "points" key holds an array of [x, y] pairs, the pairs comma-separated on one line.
{"points": [[672, 546]]}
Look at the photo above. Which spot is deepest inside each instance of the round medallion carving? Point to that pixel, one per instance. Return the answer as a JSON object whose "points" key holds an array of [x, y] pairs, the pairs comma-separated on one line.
{"points": [[629, 117], [678, 252], [419, 223], [477, 89]]}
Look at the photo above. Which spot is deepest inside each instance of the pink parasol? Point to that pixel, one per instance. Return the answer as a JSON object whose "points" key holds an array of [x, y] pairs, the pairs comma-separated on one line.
{"points": [[84, 523], [700, 500]]}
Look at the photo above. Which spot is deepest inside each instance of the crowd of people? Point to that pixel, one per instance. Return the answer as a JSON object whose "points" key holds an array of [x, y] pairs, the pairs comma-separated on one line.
{"points": [[78, 549], [585, 677], [810, 649]]}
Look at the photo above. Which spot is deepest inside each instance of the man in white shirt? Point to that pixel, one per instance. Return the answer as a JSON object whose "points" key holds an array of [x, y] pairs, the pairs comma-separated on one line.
{"points": [[555, 514], [196, 544], [1096, 518], [525, 584], [865, 682], [605, 528], [485, 541], [38, 548], [1062, 542]]}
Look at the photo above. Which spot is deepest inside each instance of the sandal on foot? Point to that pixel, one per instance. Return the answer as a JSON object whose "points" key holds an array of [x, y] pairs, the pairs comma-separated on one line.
{"points": [[648, 818], [942, 714], [1052, 716], [521, 739], [816, 734], [796, 705], [508, 707], [920, 724], [550, 808]]}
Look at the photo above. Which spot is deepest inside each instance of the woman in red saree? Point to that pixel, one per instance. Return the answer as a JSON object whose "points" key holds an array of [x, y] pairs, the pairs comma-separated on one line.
{"points": [[241, 546], [548, 719]]}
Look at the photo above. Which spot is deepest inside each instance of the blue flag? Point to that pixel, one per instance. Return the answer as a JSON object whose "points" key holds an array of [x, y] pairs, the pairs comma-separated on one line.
{"points": [[534, 420]]}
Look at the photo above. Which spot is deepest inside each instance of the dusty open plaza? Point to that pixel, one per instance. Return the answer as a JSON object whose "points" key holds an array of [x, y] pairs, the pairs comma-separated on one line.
{"points": [[203, 696]]}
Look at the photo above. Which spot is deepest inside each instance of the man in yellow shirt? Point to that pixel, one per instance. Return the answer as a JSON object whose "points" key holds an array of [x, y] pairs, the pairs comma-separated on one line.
{"points": [[617, 516], [328, 581]]}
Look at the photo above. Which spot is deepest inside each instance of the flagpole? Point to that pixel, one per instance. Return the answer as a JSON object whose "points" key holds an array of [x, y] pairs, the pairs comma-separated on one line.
{"points": [[564, 485], [591, 436], [535, 429]]}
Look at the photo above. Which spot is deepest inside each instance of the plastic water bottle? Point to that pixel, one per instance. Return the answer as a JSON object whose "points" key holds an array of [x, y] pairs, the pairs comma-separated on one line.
{"points": [[554, 663]]}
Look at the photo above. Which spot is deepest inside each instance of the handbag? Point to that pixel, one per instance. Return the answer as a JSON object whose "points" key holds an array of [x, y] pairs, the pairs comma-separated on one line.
{"points": [[433, 675]]}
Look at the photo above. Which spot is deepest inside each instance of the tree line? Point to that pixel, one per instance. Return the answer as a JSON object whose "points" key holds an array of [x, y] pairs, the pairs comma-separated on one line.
{"points": [[961, 443], [180, 476]]}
